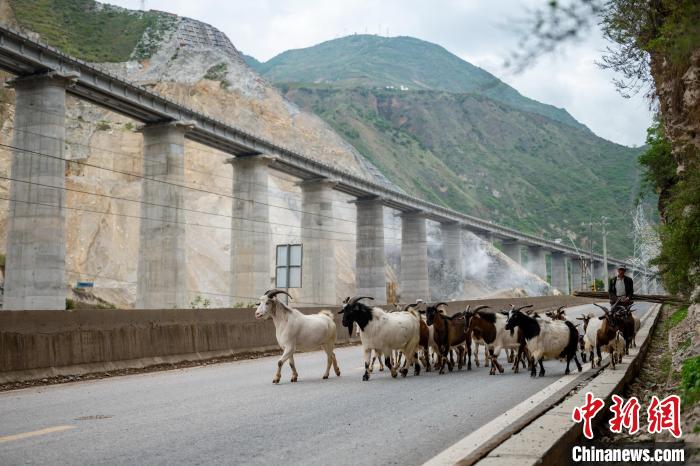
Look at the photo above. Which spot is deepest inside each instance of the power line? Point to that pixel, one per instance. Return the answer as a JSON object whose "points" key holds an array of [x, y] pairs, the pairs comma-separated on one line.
{"points": [[11, 147], [230, 217], [387, 241], [212, 293], [168, 182]]}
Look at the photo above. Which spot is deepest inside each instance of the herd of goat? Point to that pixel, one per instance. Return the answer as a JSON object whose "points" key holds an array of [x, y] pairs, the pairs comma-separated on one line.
{"points": [[423, 335]]}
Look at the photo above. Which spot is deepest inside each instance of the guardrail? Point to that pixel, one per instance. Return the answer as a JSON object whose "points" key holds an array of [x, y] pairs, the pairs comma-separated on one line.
{"points": [[40, 344]]}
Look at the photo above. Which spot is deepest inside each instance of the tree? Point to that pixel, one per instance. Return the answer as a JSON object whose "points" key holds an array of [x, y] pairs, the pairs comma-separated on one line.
{"points": [[655, 47]]}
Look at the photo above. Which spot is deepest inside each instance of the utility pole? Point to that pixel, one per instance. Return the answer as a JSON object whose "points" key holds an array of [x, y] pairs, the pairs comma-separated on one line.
{"points": [[603, 222], [590, 244]]}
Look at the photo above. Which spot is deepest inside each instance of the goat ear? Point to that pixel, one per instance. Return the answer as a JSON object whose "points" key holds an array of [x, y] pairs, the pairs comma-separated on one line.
{"points": [[341, 311], [602, 317], [421, 311]]}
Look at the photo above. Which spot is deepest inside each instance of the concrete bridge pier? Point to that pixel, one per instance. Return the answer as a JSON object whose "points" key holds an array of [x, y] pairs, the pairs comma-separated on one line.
{"points": [[370, 265], [250, 229], [576, 273], [600, 272], [537, 262], [36, 248], [317, 236], [560, 277], [161, 278], [452, 245], [512, 249], [414, 258]]}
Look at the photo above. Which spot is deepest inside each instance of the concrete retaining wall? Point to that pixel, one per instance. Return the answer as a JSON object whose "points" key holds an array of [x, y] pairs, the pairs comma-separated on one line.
{"points": [[35, 344]]}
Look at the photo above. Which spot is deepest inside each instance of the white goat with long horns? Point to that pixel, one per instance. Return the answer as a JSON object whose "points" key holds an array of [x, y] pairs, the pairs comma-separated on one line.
{"points": [[297, 331]]}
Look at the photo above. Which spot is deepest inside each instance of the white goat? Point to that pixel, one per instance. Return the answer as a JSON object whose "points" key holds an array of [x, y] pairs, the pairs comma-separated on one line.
{"points": [[383, 332], [297, 331]]}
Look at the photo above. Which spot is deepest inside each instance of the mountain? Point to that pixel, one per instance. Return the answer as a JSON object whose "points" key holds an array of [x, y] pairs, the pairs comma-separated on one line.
{"points": [[456, 135], [402, 62], [193, 63], [454, 140]]}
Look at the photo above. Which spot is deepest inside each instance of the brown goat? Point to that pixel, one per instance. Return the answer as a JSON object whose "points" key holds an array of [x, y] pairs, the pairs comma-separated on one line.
{"points": [[603, 335], [482, 326], [559, 314], [449, 331]]}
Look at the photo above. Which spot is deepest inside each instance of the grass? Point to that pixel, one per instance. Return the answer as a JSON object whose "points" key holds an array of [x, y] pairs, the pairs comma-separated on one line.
{"points": [[83, 29], [218, 73], [685, 344], [677, 317], [103, 125]]}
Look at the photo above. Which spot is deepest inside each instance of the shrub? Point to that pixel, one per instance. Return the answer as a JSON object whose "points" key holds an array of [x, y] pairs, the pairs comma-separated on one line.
{"points": [[690, 381]]}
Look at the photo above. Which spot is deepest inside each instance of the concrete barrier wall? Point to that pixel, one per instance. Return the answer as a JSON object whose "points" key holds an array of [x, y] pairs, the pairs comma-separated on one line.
{"points": [[34, 340]]}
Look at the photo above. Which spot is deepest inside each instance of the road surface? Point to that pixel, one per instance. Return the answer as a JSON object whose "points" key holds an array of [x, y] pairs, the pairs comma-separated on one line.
{"points": [[231, 413]]}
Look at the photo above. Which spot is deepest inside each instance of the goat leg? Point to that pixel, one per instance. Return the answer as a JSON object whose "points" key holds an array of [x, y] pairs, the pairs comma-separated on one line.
{"points": [[295, 375], [288, 352], [335, 366], [329, 361], [368, 355]]}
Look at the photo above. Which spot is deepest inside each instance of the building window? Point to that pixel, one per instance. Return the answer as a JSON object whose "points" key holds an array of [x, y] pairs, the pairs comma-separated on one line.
{"points": [[288, 266]]}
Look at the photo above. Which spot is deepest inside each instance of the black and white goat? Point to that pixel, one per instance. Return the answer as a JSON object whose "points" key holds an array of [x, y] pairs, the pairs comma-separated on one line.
{"points": [[546, 339], [384, 332]]}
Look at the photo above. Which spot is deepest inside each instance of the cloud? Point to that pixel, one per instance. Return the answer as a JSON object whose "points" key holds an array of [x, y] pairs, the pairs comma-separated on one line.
{"points": [[481, 32]]}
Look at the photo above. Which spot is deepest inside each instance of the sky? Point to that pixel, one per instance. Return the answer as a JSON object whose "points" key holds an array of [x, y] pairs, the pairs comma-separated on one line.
{"points": [[481, 32]]}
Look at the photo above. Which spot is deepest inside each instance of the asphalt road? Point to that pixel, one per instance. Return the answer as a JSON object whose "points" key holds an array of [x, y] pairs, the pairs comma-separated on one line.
{"points": [[231, 413]]}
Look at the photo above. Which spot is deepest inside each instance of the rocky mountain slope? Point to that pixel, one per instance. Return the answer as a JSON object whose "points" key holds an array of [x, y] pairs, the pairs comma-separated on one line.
{"points": [[195, 64], [451, 132]]}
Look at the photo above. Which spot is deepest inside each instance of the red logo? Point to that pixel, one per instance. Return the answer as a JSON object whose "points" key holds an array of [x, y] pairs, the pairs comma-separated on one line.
{"points": [[624, 415], [665, 415], [662, 414], [587, 412]]}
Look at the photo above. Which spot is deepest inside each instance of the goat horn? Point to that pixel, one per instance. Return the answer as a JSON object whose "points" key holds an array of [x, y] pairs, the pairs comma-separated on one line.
{"points": [[482, 307], [358, 298], [605, 309], [440, 304], [405, 308], [523, 307], [467, 309], [560, 308], [273, 293]]}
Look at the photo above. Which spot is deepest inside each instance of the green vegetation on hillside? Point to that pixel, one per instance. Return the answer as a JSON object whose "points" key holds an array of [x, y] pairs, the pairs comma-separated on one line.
{"points": [[90, 30], [679, 201], [485, 158], [375, 61]]}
